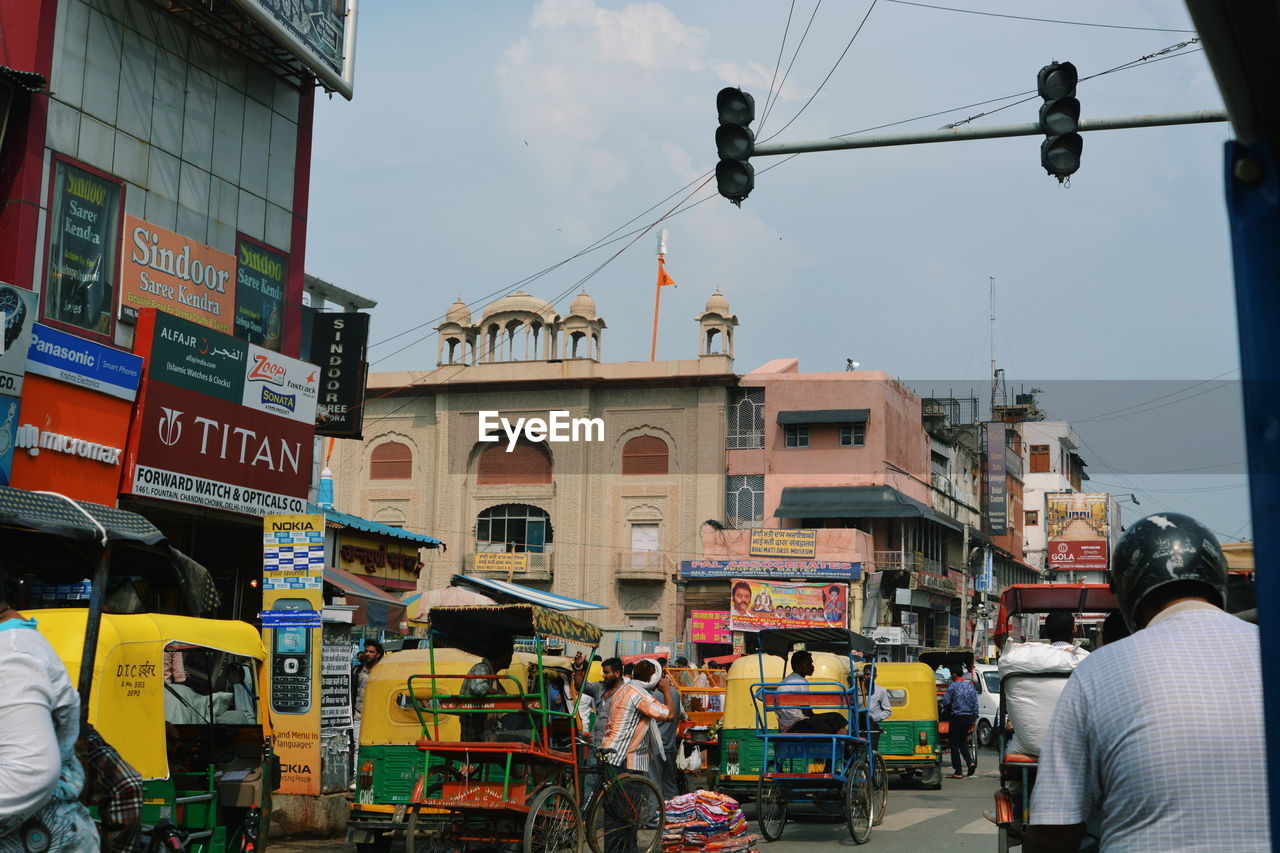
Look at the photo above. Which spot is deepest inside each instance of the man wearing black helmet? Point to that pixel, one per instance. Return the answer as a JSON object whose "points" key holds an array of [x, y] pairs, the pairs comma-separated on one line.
{"points": [[1163, 764]]}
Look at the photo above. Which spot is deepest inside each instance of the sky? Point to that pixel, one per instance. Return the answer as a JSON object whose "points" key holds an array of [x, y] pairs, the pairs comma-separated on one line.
{"points": [[492, 146]]}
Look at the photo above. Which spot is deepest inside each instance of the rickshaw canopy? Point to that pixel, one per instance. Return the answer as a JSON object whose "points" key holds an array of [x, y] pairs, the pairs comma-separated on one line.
{"points": [[1052, 598], [127, 701], [473, 629], [779, 641]]}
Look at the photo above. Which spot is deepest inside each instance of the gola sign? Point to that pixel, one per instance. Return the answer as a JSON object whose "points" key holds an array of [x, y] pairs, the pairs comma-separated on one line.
{"points": [[198, 449]]}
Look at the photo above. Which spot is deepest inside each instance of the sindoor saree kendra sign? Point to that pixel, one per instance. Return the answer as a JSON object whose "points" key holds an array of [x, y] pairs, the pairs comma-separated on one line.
{"points": [[178, 275]]}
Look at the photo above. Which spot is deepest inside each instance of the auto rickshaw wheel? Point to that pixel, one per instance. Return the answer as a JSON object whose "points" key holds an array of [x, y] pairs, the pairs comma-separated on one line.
{"points": [[554, 824], [771, 809], [857, 799]]}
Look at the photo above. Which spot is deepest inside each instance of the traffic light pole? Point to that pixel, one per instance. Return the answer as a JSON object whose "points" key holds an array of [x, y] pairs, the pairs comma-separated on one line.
{"points": [[957, 134]]}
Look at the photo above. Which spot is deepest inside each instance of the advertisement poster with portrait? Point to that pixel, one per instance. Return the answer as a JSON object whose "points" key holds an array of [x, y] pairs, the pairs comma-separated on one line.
{"points": [[756, 605]]}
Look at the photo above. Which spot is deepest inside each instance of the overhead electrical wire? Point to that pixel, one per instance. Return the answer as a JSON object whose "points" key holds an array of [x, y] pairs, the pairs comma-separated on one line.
{"points": [[1038, 20], [786, 30], [776, 94]]}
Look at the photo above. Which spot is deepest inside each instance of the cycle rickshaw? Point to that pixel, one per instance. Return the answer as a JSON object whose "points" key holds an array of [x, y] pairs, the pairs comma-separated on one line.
{"points": [[1090, 603], [827, 770], [512, 779]]}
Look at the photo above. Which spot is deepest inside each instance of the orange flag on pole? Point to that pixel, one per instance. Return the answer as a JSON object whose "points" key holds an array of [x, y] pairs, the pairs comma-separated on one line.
{"points": [[663, 278]]}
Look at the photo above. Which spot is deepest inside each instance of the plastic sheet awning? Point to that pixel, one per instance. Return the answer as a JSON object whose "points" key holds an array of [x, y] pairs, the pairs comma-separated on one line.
{"points": [[374, 607], [506, 592]]}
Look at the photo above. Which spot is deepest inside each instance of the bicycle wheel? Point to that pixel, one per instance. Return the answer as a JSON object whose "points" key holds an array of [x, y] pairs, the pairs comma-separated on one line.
{"points": [[554, 824], [879, 788], [771, 809], [626, 816], [857, 800], [422, 835]]}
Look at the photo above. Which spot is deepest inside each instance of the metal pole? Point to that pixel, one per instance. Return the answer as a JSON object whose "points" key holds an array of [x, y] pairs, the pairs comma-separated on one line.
{"points": [[957, 134], [964, 590], [92, 625], [1253, 205]]}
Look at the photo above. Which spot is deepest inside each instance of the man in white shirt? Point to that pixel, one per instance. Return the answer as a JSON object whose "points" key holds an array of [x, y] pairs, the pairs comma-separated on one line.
{"points": [[877, 703], [804, 720], [1141, 751]]}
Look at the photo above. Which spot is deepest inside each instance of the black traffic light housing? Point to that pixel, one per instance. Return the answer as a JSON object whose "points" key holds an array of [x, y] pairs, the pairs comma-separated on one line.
{"points": [[735, 143], [1059, 119]]}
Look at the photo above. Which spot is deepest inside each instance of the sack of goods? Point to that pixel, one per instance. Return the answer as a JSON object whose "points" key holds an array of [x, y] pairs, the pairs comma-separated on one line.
{"points": [[1029, 702], [706, 822]]}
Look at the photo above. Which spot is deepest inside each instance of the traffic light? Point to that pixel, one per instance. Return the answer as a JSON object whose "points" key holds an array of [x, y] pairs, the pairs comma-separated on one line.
{"points": [[735, 176], [1059, 119]]}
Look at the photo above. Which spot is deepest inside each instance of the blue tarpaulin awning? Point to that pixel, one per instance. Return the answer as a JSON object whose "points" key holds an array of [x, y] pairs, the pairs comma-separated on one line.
{"points": [[505, 592], [364, 525]]}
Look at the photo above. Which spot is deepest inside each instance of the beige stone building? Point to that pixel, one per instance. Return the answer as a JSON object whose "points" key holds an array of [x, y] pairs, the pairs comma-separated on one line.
{"points": [[606, 520]]}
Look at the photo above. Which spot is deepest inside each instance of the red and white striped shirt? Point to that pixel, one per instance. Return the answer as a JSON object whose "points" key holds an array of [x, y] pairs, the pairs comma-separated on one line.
{"points": [[628, 711]]}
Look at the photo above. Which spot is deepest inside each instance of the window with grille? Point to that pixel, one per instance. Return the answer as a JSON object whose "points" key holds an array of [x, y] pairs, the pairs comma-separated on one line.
{"points": [[391, 461], [645, 454], [855, 435], [1032, 518], [744, 500], [526, 464], [514, 528], [797, 435], [1039, 459], [746, 419]]}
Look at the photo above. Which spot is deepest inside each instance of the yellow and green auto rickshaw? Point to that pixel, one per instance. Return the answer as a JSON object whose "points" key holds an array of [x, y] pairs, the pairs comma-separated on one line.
{"points": [[909, 738], [180, 700], [741, 750], [389, 760]]}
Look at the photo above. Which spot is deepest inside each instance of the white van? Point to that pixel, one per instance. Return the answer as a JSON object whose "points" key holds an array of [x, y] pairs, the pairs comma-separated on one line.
{"points": [[988, 702]]}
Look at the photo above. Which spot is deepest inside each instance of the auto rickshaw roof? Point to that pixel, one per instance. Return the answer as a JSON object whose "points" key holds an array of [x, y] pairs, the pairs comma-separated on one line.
{"points": [[1058, 598], [474, 629], [779, 641]]}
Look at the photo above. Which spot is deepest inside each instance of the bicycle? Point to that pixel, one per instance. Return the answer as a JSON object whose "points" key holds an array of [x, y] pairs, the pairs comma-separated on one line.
{"points": [[625, 812]]}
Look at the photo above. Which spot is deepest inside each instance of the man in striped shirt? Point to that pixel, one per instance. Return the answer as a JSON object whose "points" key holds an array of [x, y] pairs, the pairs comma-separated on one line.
{"points": [[626, 711]]}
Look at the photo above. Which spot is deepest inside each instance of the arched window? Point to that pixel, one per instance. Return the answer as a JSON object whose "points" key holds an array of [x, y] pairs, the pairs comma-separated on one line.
{"points": [[645, 454], [526, 464], [514, 528], [391, 461]]}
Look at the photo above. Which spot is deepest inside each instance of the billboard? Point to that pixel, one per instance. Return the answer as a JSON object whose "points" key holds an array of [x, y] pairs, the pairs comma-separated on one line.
{"points": [[755, 605], [314, 31], [55, 354], [292, 586], [710, 626], [162, 269], [797, 569], [338, 343], [766, 542], [18, 306], [260, 282], [1078, 531], [997, 486], [84, 231]]}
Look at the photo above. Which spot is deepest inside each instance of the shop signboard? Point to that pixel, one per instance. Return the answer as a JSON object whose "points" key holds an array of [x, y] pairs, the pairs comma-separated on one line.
{"points": [[755, 605], [191, 356], [392, 565], [338, 344], [335, 685], [84, 230], [71, 440], [280, 385], [1079, 530], [800, 544], [293, 547], [997, 487], [18, 307], [8, 435], [762, 568], [175, 274], [710, 626], [936, 583], [953, 631], [200, 450], [260, 281], [886, 635], [501, 561], [56, 354]]}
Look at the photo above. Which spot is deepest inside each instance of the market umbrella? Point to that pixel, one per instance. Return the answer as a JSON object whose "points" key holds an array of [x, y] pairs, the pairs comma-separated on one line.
{"points": [[449, 596]]}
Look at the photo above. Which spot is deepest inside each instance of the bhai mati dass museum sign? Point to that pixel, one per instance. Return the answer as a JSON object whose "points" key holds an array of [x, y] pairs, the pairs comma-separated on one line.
{"points": [[224, 424]]}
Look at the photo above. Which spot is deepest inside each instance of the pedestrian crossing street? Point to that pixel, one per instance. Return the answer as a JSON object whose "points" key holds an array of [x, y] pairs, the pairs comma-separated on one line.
{"points": [[907, 818]]}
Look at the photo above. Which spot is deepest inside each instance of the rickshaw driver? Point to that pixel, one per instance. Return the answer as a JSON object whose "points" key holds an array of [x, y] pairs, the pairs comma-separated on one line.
{"points": [[497, 657], [878, 707], [1121, 722], [804, 720]]}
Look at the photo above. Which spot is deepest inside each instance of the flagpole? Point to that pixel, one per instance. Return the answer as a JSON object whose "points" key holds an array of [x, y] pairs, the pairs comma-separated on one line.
{"points": [[657, 295]]}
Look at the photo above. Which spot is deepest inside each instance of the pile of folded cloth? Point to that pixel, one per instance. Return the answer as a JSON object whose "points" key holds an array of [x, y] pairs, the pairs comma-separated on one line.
{"points": [[706, 822]]}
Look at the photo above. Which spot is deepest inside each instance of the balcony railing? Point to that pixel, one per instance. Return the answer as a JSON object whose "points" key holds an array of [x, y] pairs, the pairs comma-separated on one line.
{"points": [[650, 566], [744, 439], [898, 561], [539, 568]]}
